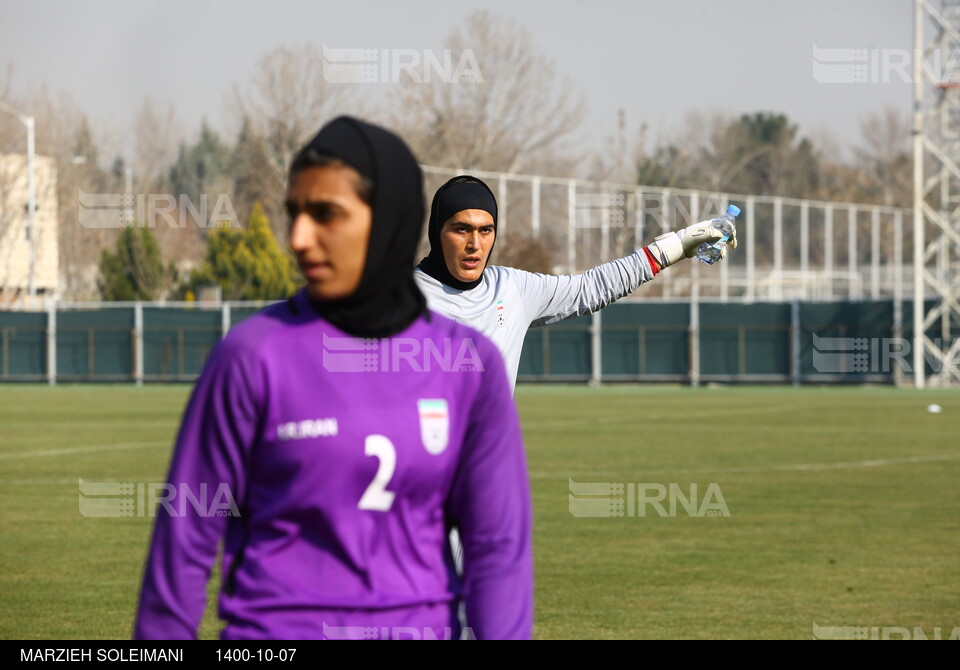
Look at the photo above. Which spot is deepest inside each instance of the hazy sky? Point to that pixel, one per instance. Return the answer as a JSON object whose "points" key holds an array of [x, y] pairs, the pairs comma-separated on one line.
{"points": [[656, 59]]}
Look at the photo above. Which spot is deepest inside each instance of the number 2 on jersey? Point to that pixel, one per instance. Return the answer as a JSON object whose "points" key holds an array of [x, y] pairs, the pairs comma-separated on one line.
{"points": [[377, 497]]}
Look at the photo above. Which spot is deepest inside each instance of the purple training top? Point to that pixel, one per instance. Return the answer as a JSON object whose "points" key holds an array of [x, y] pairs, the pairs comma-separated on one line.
{"points": [[347, 461]]}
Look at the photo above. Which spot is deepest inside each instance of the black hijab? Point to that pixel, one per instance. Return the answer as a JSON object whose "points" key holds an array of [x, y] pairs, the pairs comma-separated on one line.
{"points": [[387, 299], [460, 193]]}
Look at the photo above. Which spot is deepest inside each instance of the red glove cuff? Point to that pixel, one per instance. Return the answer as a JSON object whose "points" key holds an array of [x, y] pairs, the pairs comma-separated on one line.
{"points": [[653, 261]]}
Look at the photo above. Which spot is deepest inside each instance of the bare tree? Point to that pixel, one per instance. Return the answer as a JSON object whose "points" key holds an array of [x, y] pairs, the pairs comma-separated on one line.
{"points": [[841, 179], [156, 134], [513, 116], [723, 148], [285, 103], [885, 158], [669, 163], [616, 161]]}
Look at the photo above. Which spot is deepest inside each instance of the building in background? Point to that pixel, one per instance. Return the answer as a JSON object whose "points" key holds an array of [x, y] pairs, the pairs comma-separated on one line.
{"points": [[14, 238]]}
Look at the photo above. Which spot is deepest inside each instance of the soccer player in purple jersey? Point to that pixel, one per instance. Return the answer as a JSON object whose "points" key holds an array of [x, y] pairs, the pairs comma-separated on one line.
{"points": [[353, 428]]}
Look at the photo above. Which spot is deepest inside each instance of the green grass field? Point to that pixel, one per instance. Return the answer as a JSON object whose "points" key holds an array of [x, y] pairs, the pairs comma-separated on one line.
{"points": [[844, 509]]}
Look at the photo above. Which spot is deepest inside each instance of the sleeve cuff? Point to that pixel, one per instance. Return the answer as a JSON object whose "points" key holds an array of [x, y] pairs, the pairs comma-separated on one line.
{"points": [[654, 265]]}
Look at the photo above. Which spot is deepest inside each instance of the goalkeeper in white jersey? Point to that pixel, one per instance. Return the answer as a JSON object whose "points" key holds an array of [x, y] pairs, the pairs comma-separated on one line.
{"points": [[503, 303]]}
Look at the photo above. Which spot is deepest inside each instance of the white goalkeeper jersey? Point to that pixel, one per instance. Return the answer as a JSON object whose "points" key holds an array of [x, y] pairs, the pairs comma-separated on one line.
{"points": [[508, 301]]}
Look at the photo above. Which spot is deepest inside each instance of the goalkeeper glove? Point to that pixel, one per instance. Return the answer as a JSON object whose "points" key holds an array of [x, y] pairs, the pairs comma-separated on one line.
{"points": [[670, 248]]}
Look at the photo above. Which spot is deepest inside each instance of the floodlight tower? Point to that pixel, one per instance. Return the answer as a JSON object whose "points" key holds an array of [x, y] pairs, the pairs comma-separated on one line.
{"points": [[936, 192]]}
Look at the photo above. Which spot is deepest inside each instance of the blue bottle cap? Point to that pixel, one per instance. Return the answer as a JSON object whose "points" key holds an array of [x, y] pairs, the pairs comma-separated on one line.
{"points": [[733, 209]]}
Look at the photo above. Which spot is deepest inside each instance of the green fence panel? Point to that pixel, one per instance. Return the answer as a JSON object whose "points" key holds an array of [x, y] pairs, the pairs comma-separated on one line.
{"points": [[95, 344], [720, 350], [558, 350], [739, 339], [767, 351], [666, 351], [23, 345], [646, 314], [533, 356], [646, 339], [620, 351], [176, 342], [570, 353], [845, 339]]}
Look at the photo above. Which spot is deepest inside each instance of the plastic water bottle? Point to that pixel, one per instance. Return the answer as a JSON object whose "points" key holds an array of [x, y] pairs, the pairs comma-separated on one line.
{"points": [[708, 252]]}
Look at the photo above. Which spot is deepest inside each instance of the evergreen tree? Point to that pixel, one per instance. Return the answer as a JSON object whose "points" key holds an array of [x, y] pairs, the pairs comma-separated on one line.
{"points": [[198, 165], [135, 271], [247, 264], [781, 164], [253, 176]]}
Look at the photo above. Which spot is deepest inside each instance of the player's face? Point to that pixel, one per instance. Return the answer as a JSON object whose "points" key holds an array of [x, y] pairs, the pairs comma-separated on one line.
{"points": [[466, 239], [329, 230]]}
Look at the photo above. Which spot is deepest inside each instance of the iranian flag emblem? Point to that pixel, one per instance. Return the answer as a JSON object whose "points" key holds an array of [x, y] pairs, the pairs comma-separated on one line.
{"points": [[434, 425]]}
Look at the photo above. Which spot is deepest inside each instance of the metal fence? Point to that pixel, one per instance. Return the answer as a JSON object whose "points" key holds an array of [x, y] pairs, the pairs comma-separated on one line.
{"points": [[103, 341], [727, 342], [690, 342], [791, 248]]}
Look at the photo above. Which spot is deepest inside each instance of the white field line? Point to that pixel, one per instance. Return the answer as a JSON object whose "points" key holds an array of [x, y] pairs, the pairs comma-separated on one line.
{"points": [[627, 417], [797, 467], [72, 481], [43, 453]]}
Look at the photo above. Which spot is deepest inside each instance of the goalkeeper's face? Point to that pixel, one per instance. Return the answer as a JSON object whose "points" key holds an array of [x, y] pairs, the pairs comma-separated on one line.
{"points": [[329, 229], [466, 239]]}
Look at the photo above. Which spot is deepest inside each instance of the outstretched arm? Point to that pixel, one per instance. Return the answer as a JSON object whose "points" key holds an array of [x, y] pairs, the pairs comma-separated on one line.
{"points": [[551, 298]]}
